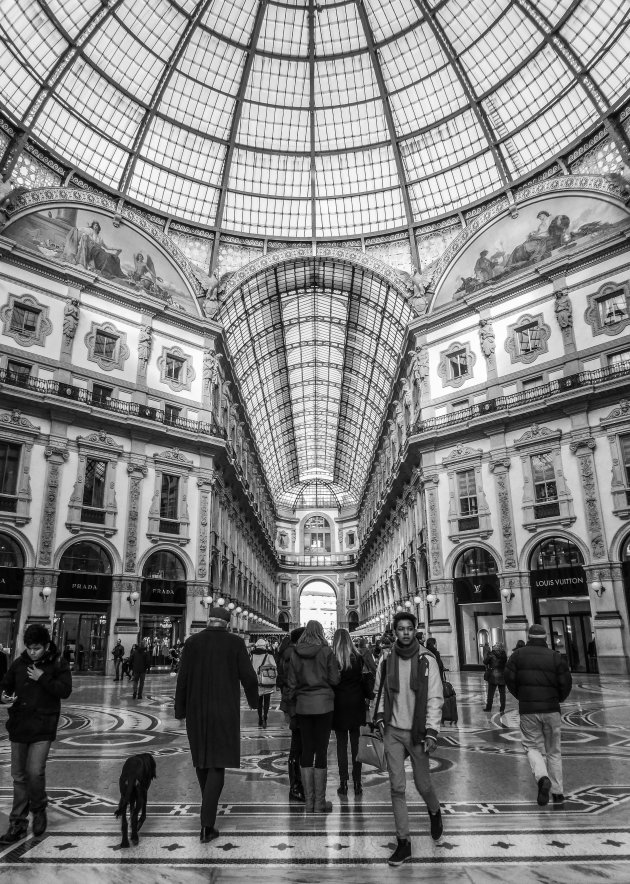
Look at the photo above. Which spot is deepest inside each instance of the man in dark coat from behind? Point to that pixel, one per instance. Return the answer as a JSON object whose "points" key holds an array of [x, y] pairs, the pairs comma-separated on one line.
{"points": [[539, 678], [213, 666]]}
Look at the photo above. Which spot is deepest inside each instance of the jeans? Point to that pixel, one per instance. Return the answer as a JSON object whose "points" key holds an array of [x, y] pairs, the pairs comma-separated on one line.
{"points": [[117, 664], [315, 730], [541, 740], [263, 706], [342, 753], [211, 780], [138, 683], [397, 746], [28, 769]]}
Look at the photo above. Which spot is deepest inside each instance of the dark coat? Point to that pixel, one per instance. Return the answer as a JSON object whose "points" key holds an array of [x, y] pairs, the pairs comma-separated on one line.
{"points": [[213, 666], [311, 676], [538, 677], [140, 661], [35, 714], [495, 664], [287, 702], [4, 664], [349, 712]]}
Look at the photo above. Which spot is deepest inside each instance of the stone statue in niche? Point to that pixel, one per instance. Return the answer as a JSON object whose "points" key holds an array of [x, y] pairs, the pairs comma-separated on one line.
{"points": [[486, 337], [419, 301], [209, 370], [70, 319], [211, 300], [144, 344], [563, 310]]}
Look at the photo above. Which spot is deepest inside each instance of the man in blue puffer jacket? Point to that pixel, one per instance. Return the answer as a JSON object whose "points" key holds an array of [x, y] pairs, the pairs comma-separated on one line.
{"points": [[540, 679]]}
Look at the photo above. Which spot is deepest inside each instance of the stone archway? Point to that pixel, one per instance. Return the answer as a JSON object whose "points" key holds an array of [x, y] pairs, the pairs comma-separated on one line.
{"points": [[318, 601]]}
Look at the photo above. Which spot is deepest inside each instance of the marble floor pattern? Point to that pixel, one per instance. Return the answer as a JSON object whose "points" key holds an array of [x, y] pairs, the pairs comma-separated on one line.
{"points": [[494, 830]]}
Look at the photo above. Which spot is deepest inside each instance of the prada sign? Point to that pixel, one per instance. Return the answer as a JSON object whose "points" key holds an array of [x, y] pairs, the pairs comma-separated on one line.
{"points": [[11, 581], [164, 592], [71, 585]]}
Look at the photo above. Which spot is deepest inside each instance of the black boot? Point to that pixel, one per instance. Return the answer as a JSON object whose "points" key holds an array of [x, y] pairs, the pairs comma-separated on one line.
{"points": [[296, 790], [356, 778], [343, 787]]}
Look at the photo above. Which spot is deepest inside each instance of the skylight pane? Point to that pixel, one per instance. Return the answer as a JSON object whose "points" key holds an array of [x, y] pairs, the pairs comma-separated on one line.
{"points": [[427, 101], [159, 30], [279, 81], [464, 22], [213, 62], [204, 109], [32, 35], [233, 18], [131, 64], [444, 145], [587, 33], [73, 15], [611, 72], [192, 155], [350, 126], [338, 29], [342, 81], [498, 52], [412, 57], [271, 174], [389, 17], [162, 189], [346, 174], [17, 86], [279, 217], [284, 31], [553, 10], [274, 128], [360, 214], [443, 192]]}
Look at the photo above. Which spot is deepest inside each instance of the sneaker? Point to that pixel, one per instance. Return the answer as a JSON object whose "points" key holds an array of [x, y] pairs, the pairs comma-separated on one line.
{"points": [[13, 834], [402, 853], [40, 821], [558, 798], [436, 824], [544, 787]]}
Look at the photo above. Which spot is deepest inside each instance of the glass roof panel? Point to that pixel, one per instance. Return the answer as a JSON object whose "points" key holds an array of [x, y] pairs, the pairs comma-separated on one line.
{"points": [[193, 155], [271, 128], [232, 18], [414, 56], [341, 81], [213, 62], [32, 36], [73, 15], [553, 10], [279, 81], [159, 31], [338, 29], [500, 50], [135, 68], [344, 174], [446, 190], [612, 69], [338, 128], [360, 214], [270, 174], [284, 31], [444, 145], [17, 85], [160, 188], [587, 35], [464, 22], [389, 17]]}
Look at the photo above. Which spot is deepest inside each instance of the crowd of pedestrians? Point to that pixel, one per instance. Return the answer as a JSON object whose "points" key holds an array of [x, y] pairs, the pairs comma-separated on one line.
{"points": [[323, 688]]}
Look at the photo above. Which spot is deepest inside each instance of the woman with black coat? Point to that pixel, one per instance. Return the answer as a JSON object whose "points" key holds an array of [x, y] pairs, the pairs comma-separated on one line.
{"points": [[355, 686], [496, 661], [33, 688]]}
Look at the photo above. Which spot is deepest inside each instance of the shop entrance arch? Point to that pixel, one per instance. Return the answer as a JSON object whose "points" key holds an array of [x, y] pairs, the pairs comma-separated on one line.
{"points": [[318, 601]]}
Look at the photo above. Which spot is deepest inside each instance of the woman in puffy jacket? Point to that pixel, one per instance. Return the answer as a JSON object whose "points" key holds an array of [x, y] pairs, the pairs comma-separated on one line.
{"points": [[312, 674], [355, 686], [495, 662], [33, 688]]}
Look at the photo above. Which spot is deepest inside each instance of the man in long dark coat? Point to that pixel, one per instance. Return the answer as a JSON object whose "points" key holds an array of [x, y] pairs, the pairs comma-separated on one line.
{"points": [[214, 664]]}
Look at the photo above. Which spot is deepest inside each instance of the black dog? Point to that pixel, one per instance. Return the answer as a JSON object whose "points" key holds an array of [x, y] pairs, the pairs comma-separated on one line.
{"points": [[137, 774]]}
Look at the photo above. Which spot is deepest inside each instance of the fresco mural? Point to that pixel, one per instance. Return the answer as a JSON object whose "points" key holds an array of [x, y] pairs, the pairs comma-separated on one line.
{"points": [[543, 229], [88, 239]]}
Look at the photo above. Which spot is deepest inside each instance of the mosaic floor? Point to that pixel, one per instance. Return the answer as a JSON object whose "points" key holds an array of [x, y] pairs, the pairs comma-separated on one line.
{"points": [[494, 830]]}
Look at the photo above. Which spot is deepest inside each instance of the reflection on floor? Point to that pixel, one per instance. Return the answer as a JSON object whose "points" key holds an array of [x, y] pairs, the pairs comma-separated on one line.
{"points": [[494, 830]]}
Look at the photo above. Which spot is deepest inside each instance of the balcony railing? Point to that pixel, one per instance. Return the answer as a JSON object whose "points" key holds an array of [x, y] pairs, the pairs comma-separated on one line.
{"points": [[8, 504], [93, 516], [118, 406], [546, 510], [318, 561], [469, 523]]}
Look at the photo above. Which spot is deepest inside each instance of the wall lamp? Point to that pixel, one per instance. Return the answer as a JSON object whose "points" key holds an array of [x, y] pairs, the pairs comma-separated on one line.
{"points": [[133, 597], [507, 594], [598, 588], [45, 593], [206, 601], [433, 599]]}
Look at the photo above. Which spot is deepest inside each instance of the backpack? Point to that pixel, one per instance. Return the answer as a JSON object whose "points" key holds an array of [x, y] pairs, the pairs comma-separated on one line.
{"points": [[267, 673]]}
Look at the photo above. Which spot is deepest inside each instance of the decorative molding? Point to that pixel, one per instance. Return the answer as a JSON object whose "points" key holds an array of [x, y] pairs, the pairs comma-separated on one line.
{"points": [[43, 325], [584, 448], [462, 452], [511, 342], [504, 498], [56, 456], [188, 372], [174, 456], [592, 315], [16, 421], [444, 364], [121, 350], [619, 411], [136, 472], [537, 434]]}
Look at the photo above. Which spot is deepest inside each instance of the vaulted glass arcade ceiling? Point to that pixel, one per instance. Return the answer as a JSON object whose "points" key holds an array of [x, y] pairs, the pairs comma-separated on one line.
{"points": [[311, 120]]}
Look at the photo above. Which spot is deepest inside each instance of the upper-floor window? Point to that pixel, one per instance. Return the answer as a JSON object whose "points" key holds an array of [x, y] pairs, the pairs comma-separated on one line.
{"points": [[24, 319], [458, 364], [174, 368], [624, 442], [94, 485], [612, 308], [528, 338], [608, 310], [18, 373], [9, 469], [169, 504], [101, 394], [317, 536], [621, 358], [467, 498], [545, 486], [171, 413], [352, 593], [284, 593], [105, 345], [532, 383]]}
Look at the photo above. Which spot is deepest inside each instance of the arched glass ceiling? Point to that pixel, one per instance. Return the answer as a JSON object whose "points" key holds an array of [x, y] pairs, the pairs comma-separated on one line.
{"points": [[303, 118], [315, 344]]}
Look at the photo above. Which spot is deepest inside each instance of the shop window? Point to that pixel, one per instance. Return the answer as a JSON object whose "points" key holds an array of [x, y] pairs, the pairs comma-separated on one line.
{"points": [[26, 320], [317, 536], [469, 513], [168, 514], [555, 552], [93, 500], [86, 557], [176, 369], [608, 310], [11, 555], [18, 373], [107, 346], [351, 538], [546, 495], [527, 339]]}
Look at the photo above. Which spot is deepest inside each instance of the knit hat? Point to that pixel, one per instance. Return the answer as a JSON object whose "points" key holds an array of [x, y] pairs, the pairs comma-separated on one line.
{"points": [[219, 613], [536, 631], [261, 643]]}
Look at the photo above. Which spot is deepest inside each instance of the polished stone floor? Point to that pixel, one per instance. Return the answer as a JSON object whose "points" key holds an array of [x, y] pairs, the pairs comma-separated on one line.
{"points": [[494, 830]]}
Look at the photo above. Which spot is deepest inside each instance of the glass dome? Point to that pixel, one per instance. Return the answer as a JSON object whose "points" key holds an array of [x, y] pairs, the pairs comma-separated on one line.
{"points": [[303, 119]]}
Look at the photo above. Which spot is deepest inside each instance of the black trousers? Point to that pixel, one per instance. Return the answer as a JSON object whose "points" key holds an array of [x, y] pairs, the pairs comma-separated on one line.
{"points": [[491, 690], [315, 730], [263, 705], [211, 780], [342, 751]]}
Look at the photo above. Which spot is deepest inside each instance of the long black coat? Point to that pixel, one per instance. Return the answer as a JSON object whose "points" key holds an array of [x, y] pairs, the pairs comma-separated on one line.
{"points": [[538, 677], [213, 666], [34, 715], [349, 712]]}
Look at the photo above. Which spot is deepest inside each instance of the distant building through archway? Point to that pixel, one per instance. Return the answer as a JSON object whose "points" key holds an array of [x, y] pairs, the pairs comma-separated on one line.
{"points": [[319, 602]]}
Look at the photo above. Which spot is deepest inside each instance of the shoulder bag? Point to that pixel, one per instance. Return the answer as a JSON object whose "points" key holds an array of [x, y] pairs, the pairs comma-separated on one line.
{"points": [[371, 747]]}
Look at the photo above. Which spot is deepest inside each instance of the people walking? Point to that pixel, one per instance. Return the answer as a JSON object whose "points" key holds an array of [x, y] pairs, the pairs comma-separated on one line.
{"points": [[495, 676], [409, 708], [312, 674], [287, 705], [118, 653], [139, 664], [431, 645], [540, 679], [264, 664], [355, 684], [33, 688], [213, 666]]}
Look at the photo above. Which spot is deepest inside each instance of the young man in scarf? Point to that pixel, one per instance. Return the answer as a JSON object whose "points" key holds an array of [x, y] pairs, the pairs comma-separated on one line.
{"points": [[410, 710]]}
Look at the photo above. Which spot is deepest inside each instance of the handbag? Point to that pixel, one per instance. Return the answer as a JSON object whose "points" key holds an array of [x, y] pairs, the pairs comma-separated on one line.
{"points": [[447, 689], [371, 746]]}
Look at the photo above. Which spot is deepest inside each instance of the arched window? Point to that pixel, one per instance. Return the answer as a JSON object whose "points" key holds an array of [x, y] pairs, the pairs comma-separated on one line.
{"points": [[164, 565], [11, 555], [555, 552], [353, 621], [475, 562], [87, 557], [283, 621], [317, 536]]}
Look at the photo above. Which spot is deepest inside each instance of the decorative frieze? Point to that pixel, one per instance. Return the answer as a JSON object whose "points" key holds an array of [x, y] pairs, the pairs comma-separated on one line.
{"points": [[137, 472], [500, 469], [56, 457], [584, 449]]}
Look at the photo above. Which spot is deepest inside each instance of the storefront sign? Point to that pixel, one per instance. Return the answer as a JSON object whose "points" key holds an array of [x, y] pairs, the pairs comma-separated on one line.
{"points": [[11, 581], [476, 589], [558, 582], [164, 592], [71, 585]]}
